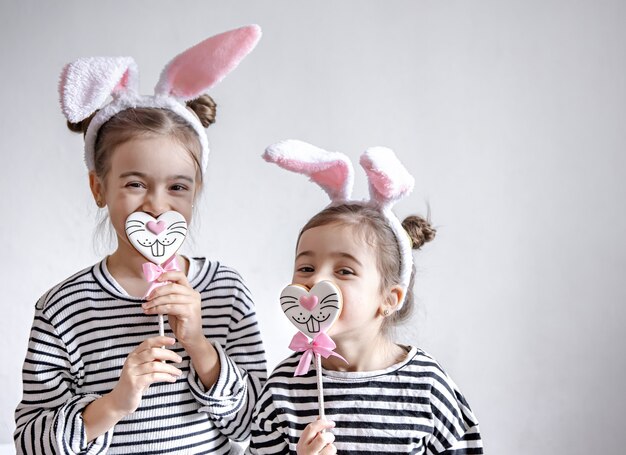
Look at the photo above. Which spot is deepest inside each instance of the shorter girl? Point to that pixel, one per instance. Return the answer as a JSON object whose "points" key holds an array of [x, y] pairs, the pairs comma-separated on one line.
{"points": [[388, 398]]}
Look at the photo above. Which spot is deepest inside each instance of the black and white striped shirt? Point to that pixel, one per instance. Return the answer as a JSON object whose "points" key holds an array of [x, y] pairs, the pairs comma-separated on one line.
{"points": [[412, 407], [85, 327]]}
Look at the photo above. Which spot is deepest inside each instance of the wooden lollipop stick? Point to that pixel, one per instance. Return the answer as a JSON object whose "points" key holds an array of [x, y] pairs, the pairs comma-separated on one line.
{"points": [[161, 328], [320, 385]]}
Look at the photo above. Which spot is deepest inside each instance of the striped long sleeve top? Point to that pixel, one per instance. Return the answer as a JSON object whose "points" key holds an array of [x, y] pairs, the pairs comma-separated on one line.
{"points": [[412, 407], [83, 330]]}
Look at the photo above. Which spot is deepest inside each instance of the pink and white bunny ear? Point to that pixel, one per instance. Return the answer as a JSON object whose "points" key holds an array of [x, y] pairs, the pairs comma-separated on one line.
{"points": [[388, 178], [87, 83], [193, 72], [331, 170]]}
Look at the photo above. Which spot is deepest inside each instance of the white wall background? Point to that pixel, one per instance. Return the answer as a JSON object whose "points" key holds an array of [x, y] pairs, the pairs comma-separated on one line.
{"points": [[510, 114]]}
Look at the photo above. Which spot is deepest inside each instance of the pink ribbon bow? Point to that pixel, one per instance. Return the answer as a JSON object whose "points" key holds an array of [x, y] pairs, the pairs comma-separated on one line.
{"points": [[322, 345], [152, 272]]}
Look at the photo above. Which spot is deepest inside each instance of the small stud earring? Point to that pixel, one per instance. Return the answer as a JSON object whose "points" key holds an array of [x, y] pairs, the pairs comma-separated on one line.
{"points": [[386, 312]]}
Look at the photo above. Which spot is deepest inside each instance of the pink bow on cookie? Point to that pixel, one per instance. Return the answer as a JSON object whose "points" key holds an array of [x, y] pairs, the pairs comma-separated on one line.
{"points": [[321, 345], [152, 272]]}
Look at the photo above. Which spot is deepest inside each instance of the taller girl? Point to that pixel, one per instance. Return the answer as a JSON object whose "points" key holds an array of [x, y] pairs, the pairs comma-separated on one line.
{"points": [[95, 377]]}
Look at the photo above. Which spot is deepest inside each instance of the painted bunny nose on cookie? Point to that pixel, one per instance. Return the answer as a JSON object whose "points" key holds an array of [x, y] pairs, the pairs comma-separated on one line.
{"points": [[309, 301], [155, 227]]}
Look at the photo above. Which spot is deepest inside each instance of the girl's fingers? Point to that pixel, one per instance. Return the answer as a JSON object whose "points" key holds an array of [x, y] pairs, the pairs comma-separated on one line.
{"points": [[171, 293], [318, 426], [157, 354], [330, 449], [175, 309], [169, 289], [154, 342], [321, 441], [157, 368], [151, 378], [313, 439], [174, 305], [175, 277]]}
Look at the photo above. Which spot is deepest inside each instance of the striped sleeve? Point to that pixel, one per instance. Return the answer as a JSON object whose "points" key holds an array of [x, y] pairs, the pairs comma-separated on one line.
{"points": [[455, 428], [230, 401], [267, 432], [469, 444], [49, 417]]}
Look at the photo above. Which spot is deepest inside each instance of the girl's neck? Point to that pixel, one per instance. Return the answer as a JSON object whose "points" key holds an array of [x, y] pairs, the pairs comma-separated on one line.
{"points": [[375, 353], [125, 265]]}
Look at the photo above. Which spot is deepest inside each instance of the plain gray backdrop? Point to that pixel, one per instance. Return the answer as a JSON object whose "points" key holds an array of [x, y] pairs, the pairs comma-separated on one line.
{"points": [[510, 115]]}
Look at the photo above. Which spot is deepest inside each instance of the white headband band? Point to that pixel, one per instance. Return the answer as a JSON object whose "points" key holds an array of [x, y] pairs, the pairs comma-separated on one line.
{"points": [[389, 181], [88, 82]]}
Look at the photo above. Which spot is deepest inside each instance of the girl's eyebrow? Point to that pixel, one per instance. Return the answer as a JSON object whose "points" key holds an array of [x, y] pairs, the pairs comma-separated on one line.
{"points": [[338, 254], [305, 253], [132, 174], [348, 256], [143, 176], [182, 177]]}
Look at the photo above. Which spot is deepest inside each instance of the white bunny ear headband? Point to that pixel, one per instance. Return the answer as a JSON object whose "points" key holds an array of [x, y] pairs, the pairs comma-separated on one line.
{"points": [[389, 181], [88, 82]]}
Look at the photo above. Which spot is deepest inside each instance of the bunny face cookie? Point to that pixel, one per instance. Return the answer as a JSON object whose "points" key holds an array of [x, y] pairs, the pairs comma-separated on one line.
{"points": [[157, 239], [312, 311]]}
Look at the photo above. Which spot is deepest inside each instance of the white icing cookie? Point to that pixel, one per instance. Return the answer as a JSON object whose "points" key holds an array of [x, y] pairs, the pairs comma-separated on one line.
{"points": [[314, 311], [157, 239]]}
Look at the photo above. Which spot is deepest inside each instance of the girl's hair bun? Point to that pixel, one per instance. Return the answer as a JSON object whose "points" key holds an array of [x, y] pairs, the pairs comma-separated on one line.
{"points": [[419, 229], [80, 127], [205, 108]]}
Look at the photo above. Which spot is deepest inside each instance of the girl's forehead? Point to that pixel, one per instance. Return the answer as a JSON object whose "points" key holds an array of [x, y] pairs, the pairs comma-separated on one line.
{"points": [[152, 152], [335, 237]]}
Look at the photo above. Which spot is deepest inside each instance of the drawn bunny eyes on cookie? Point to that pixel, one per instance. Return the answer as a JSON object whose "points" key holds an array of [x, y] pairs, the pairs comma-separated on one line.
{"points": [[157, 239], [314, 311]]}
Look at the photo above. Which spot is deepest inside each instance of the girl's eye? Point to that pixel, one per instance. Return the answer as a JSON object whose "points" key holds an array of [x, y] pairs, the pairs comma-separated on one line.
{"points": [[178, 187], [345, 272], [305, 269], [134, 185]]}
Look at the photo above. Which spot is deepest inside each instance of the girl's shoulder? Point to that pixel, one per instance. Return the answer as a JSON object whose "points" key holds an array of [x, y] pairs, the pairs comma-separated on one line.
{"points": [[287, 367], [79, 281], [426, 365], [214, 280], [283, 380], [205, 273]]}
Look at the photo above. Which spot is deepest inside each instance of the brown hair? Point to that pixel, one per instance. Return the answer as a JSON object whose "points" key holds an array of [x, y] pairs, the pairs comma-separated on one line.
{"points": [[374, 226], [136, 122]]}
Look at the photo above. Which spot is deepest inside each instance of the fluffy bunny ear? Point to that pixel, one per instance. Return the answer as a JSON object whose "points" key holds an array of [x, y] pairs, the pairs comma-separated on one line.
{"points": [[87, 83], [388, 178], [331, 170], [199, 68]]}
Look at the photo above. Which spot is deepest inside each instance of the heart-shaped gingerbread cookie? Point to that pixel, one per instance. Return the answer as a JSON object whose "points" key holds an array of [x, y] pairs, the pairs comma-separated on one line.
{"points": [[312, 311], [157, 239]]}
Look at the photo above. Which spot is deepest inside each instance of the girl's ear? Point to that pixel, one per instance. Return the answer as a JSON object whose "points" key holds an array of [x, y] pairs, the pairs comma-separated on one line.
{"points": [[87, 83], [396, 295], [331, 170], [97, 189], [392, 300], [388, 178], [193, 72]]}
